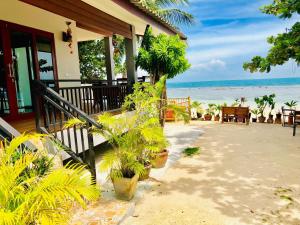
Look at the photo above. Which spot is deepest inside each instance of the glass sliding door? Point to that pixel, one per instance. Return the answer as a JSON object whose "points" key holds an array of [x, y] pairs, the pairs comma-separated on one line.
{"points": [[26, 54], [23, 71]]}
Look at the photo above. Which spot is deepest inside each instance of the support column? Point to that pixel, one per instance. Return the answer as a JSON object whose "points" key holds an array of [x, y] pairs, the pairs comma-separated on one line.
{"points": [[109, 59], [131, 51]]}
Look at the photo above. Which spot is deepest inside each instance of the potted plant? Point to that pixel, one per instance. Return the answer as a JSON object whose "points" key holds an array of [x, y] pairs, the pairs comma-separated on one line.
{"points": [[153, 151], [271, 103], [217, 110], [278, 117], [209, 112], [255, 113], [262, 103], [291, 105], [197, 106]]}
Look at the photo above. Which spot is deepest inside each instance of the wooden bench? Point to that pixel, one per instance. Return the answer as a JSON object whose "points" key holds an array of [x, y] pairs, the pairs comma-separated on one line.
{"points": [[235, 114]]}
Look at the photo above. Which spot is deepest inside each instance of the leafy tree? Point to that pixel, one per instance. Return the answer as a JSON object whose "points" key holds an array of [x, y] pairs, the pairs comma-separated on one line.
{"points": [[286, 46], [168, 10], [31, 195], [92, 58], [160, 56]]}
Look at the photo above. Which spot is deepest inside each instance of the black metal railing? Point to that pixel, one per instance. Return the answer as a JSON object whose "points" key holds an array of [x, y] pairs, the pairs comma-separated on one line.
{"points": [[52, 111], [93, 97]]}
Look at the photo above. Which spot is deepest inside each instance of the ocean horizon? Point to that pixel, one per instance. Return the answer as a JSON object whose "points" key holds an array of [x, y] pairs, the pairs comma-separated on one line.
{"points": [[285, 89], [237, 83]]}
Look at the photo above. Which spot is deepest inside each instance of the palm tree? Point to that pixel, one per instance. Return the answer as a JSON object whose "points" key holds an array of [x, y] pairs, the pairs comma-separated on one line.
{"points": [[168, 10], [29, 196]]}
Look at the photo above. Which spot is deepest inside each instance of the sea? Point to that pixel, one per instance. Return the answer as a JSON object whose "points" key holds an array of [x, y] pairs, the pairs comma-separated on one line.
{"points": [[226, 91]]}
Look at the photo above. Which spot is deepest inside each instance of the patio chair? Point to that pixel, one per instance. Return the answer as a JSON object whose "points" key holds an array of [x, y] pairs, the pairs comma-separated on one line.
{"points": [[228, 114], [242, 114], [296, 121]]}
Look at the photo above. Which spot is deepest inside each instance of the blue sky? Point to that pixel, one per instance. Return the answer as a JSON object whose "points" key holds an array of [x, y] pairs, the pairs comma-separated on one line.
{"points": [[228, 33]]}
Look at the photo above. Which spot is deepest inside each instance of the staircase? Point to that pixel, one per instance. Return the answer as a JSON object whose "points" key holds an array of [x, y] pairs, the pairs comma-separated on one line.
{"points": [[52, 111]]}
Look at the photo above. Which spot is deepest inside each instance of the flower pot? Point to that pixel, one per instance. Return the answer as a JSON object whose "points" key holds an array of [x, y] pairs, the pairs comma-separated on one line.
{"points": [[261, 119], [207, 117], [199, 115], [270, 119], [254, 120], [217, 118], [278, 118], [160, 159], [125, 187], [145, 176]]}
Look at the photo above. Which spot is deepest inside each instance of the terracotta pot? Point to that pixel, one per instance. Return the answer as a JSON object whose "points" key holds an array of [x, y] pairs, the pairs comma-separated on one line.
{"points": [[261, 119], [270, 119], [254, 120], [217, 118], [145, 176], [207, 117], [125, 187], [160, 160]]}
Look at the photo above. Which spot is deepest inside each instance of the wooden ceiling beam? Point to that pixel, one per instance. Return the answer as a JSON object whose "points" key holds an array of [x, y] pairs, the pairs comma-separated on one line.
{"points": [[85, 15]]}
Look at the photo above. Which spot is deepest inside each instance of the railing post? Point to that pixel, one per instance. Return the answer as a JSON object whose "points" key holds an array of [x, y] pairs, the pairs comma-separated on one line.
{"points": [[109, 59], [130, 45], [92, 162]]}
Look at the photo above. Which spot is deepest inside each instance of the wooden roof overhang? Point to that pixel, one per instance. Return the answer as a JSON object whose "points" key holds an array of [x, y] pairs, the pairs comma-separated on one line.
{"points": [[86, 16]]}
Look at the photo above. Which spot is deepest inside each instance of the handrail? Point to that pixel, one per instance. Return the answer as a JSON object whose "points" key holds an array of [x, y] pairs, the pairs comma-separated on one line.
{"points": [[9, 132], [68, 104]]}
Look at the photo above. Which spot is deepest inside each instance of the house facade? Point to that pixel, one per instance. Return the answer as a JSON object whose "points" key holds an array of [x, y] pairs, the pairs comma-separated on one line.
{"points": [[40, 86], [39, 38]]}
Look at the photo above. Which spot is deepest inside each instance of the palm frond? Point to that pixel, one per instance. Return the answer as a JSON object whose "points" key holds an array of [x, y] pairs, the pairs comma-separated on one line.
{"points": [[176, 16]]}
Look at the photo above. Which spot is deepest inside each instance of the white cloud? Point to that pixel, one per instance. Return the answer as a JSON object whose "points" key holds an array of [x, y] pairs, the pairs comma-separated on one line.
{"points": [[212, 64]]}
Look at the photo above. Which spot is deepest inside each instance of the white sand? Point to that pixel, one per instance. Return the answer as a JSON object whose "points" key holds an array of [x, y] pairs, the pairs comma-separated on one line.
{"points": [[243, 175]]}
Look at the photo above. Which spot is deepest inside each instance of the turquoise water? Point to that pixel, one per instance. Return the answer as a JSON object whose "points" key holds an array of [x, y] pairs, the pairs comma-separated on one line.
{"points": [[285, 89], [238, 83]]}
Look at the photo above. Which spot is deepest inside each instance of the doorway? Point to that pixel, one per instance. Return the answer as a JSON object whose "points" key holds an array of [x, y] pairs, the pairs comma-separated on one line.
{"points": [[26, 54]]}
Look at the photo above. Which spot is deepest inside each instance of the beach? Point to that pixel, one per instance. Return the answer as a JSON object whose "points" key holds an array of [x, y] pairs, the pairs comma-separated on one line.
{"points": [[242, 175], [220, 95]]}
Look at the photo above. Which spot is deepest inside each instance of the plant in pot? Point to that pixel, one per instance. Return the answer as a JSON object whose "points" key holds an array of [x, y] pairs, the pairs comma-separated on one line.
{"points": [[217, 111], [262, 103], [291, 105], [255, 112], [271, 103], [197, 106], [133, 140], [209, 112]]}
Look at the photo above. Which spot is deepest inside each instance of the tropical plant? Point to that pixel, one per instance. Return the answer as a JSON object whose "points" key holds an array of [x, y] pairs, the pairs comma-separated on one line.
{"points": [[285, 45], [165, 9], [211, 109], [292, 104], [236, 102], [262, 102], [30, 195], [217, 109], [198, 106], [162, 56], [255, 112]]}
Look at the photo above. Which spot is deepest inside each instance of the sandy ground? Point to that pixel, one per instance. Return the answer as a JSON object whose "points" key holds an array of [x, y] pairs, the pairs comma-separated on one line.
{"points": [[243, 175]]}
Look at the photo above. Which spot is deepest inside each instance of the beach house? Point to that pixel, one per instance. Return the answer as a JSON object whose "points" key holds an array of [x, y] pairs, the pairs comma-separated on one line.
{"points": [[40, 84]]}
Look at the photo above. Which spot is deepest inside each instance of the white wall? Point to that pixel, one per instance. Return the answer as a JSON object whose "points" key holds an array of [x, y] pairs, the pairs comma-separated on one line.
{"points": [[21, 13]]}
